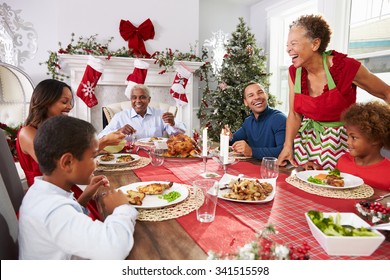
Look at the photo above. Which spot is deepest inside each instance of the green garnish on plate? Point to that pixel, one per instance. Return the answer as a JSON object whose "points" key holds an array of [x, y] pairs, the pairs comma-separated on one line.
{"points": [[171, 196], [315, 181]]}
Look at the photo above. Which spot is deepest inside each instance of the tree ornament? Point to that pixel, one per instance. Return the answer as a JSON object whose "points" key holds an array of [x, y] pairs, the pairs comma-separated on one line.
{"points": [[222, 85], [249, 50], [92, 73]]}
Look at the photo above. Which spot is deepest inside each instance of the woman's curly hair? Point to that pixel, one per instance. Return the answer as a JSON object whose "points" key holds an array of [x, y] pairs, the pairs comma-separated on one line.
{"points": [[316, 27], [372, 119]]}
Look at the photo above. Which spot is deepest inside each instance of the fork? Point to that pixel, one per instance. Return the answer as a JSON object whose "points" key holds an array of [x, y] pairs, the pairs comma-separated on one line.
{"points": [[382, 197]]}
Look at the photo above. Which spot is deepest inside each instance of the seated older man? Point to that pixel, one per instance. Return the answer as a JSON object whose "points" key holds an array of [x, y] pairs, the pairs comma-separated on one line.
{"points": [[142, 120]]}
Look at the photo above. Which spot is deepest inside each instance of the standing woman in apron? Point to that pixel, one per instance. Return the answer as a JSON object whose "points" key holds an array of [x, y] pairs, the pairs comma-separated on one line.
{"points": [[322, 84]]}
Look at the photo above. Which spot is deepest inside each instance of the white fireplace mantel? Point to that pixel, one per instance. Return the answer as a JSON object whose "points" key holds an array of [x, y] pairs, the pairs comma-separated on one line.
{"points": [[112, 84]]}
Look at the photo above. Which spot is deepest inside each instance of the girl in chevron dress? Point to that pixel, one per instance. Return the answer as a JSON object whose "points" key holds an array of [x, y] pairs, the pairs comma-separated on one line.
{"points": [[322, 84]]}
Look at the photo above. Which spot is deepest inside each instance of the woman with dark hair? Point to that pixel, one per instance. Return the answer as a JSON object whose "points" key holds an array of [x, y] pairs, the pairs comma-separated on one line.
{"points": [[52, 98], [322, 84]]}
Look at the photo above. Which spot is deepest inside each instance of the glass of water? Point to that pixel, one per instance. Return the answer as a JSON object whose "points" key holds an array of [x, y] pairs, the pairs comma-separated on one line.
{"points": [[156, 156], [206, 196]]}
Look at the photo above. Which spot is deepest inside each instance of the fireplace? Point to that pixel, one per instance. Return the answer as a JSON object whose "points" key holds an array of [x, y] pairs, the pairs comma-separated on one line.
{"points": [[111, 88]]}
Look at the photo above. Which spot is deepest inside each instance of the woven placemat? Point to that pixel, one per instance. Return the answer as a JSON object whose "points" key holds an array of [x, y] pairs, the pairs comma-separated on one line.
{"points": [[190, 204], [143, 161], [363, 191]]}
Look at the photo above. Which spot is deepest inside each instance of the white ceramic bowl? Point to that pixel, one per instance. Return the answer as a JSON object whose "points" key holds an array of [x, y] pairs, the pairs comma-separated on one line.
{"points": [[346, 245]]}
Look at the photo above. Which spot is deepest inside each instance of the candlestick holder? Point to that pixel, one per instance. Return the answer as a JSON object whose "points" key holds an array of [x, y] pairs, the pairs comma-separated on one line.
{"points": [[220, 160], [204, 158]]}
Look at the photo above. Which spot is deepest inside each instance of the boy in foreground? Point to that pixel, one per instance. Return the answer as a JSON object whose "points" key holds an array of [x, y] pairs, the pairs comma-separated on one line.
{"points": [[52, 224]]}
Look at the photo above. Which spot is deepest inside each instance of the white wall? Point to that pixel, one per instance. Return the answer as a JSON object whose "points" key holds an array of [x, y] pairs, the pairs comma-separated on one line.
{"points": [[222, 15], [55, 20], [258, 21]]}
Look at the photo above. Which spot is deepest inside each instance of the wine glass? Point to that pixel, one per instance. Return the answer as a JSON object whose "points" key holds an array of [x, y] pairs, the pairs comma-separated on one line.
{"points": [[269, 168]]}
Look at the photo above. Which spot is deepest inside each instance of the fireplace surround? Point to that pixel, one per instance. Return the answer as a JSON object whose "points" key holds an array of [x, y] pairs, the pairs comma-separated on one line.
{"points": [[112, 85]]}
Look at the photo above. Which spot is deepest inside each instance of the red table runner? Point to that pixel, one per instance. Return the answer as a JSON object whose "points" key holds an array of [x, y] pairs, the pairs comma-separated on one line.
{"points": [[236, 223]]}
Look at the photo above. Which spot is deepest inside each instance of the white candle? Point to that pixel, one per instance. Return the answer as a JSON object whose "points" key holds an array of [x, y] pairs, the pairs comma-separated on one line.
{"points": [[224, 147], [204, 142]]}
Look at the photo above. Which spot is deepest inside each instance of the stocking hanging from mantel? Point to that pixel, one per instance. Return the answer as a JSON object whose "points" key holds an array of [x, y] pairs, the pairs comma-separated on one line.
{"points": [[183, 73], [92, 73], [137, 77], [137, 35]]}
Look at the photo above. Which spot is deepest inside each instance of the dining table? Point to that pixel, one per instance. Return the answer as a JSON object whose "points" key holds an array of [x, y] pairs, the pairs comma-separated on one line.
{"points": [[174, 233]]}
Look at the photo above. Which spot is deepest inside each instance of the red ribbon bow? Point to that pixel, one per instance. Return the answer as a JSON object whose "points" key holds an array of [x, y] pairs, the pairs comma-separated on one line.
{"points": [[137, 35]]}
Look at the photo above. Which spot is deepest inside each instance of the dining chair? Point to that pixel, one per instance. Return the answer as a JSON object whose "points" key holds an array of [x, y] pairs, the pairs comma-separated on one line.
{"points": [[10, 174], [9, 249], [16, 88]]}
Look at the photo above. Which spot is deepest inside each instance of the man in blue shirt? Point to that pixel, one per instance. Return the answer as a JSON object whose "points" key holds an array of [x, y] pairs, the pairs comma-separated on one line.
{"points": [[142, 120], [262, 133]]}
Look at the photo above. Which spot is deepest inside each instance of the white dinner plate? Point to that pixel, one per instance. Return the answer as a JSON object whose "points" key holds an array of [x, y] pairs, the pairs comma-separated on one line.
{"points": [[227, 178], [232, 154], [153, 200], [114, 161], [350, 181], [149, 141]]}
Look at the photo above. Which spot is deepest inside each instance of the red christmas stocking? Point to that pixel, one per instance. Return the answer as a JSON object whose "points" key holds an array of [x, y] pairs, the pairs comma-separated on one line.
{"points": [[137, 77], [86, 90], [179, 84]]}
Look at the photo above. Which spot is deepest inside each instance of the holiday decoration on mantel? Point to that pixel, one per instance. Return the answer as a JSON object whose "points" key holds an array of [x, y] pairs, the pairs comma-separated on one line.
{"points": [[91, 46], [178, 87], [137, 77], [86, 89], [137, 35]]}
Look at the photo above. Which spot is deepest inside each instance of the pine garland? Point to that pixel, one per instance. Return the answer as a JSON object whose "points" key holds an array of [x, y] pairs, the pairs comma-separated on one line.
{"points": [[90, 45]]}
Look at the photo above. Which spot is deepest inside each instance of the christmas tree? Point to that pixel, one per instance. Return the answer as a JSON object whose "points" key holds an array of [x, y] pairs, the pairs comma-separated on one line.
{"points": [[242, 63]]}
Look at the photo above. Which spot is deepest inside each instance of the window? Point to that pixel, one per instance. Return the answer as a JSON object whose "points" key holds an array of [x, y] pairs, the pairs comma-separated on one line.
{"points": [[369, 40]]}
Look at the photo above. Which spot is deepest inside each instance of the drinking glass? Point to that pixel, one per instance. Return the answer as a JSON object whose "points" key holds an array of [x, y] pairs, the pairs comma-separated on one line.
{"points": [[269, 168], [156, 156], [98, 197], [207, 189], [130, 142]]}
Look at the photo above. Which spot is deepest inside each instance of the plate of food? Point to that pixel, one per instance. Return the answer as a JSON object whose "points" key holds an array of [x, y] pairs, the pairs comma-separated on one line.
{"points": [[117, 159], [246, 190], [232, 153], [333, 179], [155, 194], [150, 140]]}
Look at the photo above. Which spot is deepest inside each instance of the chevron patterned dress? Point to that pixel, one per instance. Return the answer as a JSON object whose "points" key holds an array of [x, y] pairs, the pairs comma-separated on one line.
{"points": [[321, 146]]}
